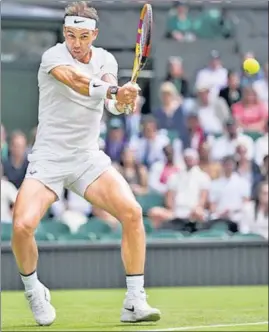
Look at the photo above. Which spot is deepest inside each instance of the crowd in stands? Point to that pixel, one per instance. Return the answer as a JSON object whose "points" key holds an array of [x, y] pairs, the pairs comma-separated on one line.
{"points": [[203, 151]]}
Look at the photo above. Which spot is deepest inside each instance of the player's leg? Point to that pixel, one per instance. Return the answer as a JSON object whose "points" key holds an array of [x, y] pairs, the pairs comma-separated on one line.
{"points": [[32, 203], [112, 193]]}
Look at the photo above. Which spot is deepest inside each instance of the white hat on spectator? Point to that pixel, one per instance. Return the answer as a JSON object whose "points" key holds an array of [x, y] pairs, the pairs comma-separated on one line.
{"points": [[191, 153]]}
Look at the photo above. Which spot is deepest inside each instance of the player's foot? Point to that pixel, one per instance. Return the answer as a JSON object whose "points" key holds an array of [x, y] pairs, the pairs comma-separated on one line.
{"points": [[136, 309], [39, 302]]}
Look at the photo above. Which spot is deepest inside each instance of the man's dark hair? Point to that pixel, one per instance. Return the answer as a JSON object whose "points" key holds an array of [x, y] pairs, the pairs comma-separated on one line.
{"points": [[82, 9]]}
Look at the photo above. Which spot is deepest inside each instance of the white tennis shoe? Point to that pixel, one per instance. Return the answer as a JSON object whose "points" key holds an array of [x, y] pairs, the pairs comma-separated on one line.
{"points": [[136, 309], [39, 302]]}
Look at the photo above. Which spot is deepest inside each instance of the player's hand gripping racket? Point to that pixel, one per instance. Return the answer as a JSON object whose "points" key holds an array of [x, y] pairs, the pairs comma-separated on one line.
{"points": [[143, 43]]}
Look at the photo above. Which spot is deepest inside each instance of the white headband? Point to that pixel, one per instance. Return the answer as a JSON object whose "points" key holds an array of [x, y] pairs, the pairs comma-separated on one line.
{"points": [[80, 22]]}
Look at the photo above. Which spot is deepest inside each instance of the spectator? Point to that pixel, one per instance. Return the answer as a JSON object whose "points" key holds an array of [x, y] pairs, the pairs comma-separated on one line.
{"points": [[196, 135], [170, 115], [186, 197], [133, 120], [16, 165], [232, 92], [247, 79], [180, 24], [115, 140], [261, 86], [4, 145], [161, 171], [261, 146], [214, 75], [8, 198], [177, 77], [226, 144], [255, 213], [228, 195], [210, 167], [212, 114], [245, 167], [134, 173], [149, 148], [261, 177], [250, 113]]}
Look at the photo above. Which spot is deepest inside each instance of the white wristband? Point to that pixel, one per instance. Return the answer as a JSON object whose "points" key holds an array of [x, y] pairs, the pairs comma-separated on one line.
{"points": [[98, 89], [111, 107]]}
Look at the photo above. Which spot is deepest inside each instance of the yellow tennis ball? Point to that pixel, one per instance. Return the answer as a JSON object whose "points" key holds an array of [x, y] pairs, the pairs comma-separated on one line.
{"points": [[251, 66]]}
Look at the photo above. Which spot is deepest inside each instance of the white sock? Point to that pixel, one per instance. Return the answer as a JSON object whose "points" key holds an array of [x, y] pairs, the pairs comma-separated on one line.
{"points": [[30, 281], [135, 283]]}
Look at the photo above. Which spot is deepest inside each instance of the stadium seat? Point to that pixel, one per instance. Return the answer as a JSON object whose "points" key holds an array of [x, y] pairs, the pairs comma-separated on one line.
{"points": [[220, 225], [117, 235], [166, 234], [75, 237], [172, 135], [253, 134], [148, 225], [56, 228], [95, 228], [211, 233], [150, 200], [6, 228], [5, 237], [43, 236], [249, 236]]}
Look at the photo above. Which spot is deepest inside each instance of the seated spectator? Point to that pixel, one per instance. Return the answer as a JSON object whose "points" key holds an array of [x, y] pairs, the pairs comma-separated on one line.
{"points": [[4, 145], [261, 86], [134, 173], [177, 77], [261, 146], [250, 113], [226, 144], [255, 213], [232, 92], [212, 168], [149, 147], [186, 197], [180, 24], [214, 75], [212, 114], [133, 120], [196, 135], [115, 140], [261, 177], [213, 23], [247, 79], [16, 165], [170, 115], [8, 198], [245, 167], [161, 171], [227, 195]]}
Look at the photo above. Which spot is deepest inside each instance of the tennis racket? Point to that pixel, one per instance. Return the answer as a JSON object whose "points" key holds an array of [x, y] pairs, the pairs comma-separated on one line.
{"points": [[143, 43]]}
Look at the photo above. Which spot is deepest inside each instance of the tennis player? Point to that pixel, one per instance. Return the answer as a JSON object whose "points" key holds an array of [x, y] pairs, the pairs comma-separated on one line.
{"points": [[75, 80]]}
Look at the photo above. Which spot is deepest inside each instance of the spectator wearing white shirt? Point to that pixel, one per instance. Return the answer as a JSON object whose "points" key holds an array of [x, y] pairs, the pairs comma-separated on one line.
{"points": [[261, 86], [212, 114], [214, 74], [186, 197], [149, 148], [8, 198], [228, 195], [255, 214], [226, 144], [261, 177], [161, 171], [261, 147]]}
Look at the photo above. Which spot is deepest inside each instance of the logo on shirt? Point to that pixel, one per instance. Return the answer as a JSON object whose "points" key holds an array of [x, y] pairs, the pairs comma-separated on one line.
{"points": [[96, 85], [32, 172], [76, 21]]}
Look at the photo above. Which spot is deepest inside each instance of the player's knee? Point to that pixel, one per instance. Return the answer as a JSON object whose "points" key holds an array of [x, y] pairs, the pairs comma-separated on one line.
{"points": [[23, 224], [133, 214]]}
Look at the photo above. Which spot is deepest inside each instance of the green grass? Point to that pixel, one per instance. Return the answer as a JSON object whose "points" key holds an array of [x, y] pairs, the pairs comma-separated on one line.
{"points": [[89, 310]]}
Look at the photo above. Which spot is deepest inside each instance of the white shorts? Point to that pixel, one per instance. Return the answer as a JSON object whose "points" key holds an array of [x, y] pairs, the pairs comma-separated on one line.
{"points": [[75, 176]]}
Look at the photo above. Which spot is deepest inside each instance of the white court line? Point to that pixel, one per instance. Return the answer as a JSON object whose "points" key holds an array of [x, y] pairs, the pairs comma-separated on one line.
{"points": [[191, 328]]}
